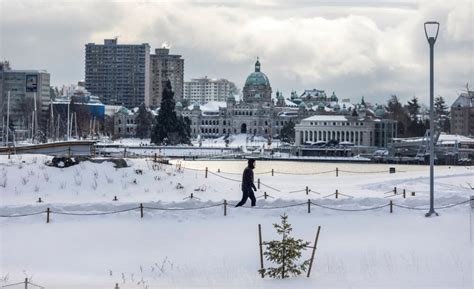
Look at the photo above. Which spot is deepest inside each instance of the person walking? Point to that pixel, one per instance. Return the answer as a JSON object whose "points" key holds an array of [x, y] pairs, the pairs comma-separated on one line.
{"points": [[247, 185]]}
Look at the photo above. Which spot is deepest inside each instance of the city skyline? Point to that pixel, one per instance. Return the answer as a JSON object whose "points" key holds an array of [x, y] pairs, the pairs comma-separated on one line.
{"points": [[384, 53]]}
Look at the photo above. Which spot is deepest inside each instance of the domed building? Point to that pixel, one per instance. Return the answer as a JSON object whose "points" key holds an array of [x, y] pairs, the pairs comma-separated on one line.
{"points": [[255, 114], [257, 87]]}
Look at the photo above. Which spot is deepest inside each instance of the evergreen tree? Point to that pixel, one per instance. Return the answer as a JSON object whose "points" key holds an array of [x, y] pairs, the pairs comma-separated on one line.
{"points": [[285, 253], [287, 133], [143, 121], [169, 129], [442, 114], [413, 108]]}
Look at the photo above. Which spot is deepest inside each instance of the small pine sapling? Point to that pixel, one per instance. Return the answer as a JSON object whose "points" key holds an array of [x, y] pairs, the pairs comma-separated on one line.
{"points": [[285, 253]]}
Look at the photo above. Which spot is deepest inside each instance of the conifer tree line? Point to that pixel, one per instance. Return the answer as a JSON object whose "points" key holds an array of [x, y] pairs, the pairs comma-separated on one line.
{"points": [[413, 118]]}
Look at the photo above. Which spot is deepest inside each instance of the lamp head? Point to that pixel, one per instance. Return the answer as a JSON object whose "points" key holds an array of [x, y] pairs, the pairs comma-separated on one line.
{"points": [[431, 31]]}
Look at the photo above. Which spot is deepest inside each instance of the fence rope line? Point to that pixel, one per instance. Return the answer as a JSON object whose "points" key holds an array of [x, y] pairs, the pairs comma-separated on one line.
{"points": [[360, 172], [269, 208], [230, 179], [233, 205], [94, 214], [270, 187], [183, 209], [349, 210], [22, 215], [437, 208]]}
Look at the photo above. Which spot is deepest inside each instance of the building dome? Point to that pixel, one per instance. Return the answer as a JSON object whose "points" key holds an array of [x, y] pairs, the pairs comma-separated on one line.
{"points": [[257, 83], [179, 105], [257, 78], [380, 112]]}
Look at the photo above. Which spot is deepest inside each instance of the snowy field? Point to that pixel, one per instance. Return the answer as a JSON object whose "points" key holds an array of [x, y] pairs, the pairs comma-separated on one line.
{"points": [[205, 249]]}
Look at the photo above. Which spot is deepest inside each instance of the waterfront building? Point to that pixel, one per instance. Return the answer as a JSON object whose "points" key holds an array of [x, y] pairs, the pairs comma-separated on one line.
{"points": [[360, 130], [204, 90], [164, 67], [24, 86], [119, 74]]}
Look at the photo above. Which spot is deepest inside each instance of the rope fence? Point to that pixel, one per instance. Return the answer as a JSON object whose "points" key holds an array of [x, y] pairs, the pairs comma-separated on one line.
{"points": [[272, 172], [226, 205]]}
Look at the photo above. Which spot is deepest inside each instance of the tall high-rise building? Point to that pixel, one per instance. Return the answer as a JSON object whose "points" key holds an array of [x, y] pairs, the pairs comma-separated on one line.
{"points": [[462, 114], [24, 87], [204, 90], [164, 67], [118, 73]]}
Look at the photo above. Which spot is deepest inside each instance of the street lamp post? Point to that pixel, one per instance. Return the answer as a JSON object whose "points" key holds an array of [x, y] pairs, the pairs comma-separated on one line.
{"points": [[431, 32]]}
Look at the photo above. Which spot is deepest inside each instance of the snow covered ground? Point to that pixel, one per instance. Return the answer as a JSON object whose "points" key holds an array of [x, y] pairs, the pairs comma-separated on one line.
{"points": [[204, 249]]}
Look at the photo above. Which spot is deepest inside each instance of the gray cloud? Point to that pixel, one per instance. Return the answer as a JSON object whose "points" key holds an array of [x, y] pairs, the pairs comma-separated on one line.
{"points": [[370, 48]]}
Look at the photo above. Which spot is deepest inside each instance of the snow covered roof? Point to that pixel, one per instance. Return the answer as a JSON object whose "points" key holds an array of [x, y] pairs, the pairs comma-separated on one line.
{"points": [[211, 106], [290, 103], [452, 138], [464, 100], [326, 118]]}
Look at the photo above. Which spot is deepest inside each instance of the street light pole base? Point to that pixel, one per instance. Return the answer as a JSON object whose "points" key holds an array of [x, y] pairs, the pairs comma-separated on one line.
{"points": [[431, 213]]}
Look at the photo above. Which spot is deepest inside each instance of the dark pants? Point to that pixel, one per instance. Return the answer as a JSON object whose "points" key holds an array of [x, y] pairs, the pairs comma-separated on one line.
{"points": [[247, 193]]}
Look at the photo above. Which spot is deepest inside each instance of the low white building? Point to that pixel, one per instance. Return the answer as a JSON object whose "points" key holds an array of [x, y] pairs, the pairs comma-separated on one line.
{"points": [[356, 130]]}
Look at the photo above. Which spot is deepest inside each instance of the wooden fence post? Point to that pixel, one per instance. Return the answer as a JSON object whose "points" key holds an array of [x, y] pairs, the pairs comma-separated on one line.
{"points": [[48, 211], [391, 206], [125, 152], [258, 183], [307, 190], [394, 190], [69, 151], [206, 173], [337, 172], [225, 208], [141, 210], [314, 251], [404, 194], [261, 249], [265, 195], [273, 172], [309, 206], [155, 158], [337, 194]]}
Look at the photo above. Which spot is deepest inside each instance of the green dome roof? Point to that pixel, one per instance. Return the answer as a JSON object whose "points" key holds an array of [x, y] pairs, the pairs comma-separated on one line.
{"points": [[179, 104], [257, 77], [380, 112]]}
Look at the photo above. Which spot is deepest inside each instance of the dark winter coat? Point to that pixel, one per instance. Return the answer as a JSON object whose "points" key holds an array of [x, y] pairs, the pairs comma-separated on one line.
{"points": [[247, 180]]}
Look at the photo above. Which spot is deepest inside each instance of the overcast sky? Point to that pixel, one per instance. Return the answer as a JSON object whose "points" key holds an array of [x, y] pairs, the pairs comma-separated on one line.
{"points": [[371, 48]]}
